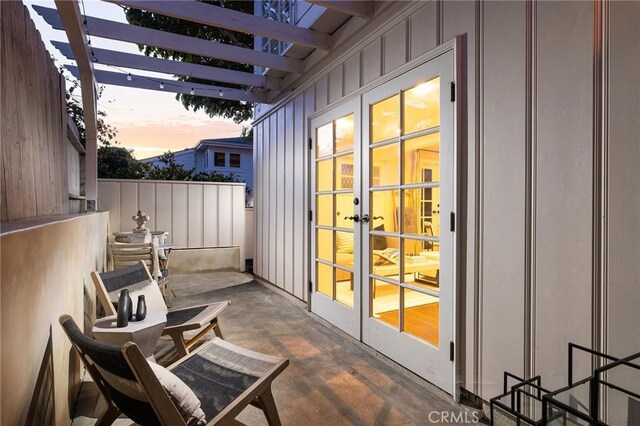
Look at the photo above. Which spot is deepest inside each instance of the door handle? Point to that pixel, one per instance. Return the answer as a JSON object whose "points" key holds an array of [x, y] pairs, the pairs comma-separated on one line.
{"points": [[365, 218], [354, 218]]}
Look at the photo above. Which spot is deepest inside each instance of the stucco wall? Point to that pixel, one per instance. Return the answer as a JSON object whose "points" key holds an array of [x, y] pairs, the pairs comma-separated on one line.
{"points": [[44, 274]]}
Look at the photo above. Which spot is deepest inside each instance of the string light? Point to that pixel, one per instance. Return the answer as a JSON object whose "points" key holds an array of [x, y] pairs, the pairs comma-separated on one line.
{"points": [[129, 76]]}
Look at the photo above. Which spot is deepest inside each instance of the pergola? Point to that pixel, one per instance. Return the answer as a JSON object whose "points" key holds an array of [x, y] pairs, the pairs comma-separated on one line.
{"points": [[260, 88]]}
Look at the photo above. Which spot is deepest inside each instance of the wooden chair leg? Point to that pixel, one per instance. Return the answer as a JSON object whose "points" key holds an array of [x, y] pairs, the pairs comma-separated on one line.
{"points": [[268, 404], [109, 416], [216, 329], [181, 346]]}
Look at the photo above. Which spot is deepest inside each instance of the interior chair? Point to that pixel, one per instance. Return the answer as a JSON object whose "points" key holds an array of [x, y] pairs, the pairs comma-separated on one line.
{"points": [[211, 386], [138, 280], [127, 254]]}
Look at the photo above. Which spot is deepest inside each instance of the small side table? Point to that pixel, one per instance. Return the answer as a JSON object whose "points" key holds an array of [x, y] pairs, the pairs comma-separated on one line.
{"points": [[144, 333]]}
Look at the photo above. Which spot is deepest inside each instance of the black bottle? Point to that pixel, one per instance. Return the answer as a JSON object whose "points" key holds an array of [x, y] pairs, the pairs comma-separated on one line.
{"points": [[125, 310], [141, 312]]}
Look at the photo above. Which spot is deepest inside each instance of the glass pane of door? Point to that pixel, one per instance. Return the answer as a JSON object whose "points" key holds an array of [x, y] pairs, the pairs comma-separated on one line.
{"points": [[409, 192], [404, 246], [334, 224]]}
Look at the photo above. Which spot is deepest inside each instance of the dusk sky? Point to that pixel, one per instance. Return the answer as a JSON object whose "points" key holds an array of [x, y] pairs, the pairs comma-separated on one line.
{"points": [[149, 122]]}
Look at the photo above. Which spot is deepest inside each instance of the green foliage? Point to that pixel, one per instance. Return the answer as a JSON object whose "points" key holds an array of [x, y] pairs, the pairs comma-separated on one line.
{"points": [[238, 111], [118, 163], [247, 133], [170, 170], [215, 177], [106, 133]]}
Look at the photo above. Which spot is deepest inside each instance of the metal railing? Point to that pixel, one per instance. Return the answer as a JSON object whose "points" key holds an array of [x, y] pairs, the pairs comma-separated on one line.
{"points": [[517, 402]]}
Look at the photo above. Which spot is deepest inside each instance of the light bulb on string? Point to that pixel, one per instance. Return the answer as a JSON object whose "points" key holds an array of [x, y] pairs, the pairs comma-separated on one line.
{"points": [[192, 92], [129, 78], [221, 94], [161, 85]]}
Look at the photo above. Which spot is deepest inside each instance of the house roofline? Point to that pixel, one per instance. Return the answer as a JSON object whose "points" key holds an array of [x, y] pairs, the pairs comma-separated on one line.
{"points": [[222, 143]]}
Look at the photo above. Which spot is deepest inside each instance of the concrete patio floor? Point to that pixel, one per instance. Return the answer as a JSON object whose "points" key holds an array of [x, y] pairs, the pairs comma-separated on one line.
{"points": [[331, 379]]}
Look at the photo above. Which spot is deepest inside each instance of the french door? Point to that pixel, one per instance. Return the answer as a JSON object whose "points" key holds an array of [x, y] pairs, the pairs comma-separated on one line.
{"points": [[335, 236], [408, 251], [384, 203]]}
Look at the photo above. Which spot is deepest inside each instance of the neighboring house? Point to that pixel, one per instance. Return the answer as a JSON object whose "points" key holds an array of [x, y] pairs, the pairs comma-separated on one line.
{"points": [[225, 155]]}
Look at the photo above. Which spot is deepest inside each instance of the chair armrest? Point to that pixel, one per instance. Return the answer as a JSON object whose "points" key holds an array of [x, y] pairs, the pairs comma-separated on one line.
{"points": [[203, 318]]}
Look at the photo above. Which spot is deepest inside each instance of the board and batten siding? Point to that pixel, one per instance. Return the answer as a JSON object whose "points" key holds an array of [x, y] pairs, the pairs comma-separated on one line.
{"points": [[196, 214], [550, 183]]}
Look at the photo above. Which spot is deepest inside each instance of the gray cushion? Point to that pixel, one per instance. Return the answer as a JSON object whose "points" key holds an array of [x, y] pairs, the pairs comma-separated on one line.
{"points": [[182, 396]]}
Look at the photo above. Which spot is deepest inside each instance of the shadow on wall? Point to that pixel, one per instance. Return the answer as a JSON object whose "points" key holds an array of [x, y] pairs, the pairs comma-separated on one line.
{"points": [[41, 409]]}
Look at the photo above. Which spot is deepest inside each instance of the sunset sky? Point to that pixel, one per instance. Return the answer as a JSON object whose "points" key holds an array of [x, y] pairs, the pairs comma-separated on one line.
{"points": [[149, 122]]}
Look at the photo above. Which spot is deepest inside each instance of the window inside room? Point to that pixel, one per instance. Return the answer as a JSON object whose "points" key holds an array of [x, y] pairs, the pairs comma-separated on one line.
{"points": [[234, 160], [219, 159]]}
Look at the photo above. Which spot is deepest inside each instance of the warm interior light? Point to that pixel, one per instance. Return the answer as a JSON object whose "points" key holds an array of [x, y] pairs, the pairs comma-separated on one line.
{"points": [[423, 89]]}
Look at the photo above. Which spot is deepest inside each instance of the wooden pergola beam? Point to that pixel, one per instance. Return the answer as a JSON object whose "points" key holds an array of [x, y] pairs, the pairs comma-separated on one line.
{"points": [[73, 24], [359, 8], [172, 86], [215, 16], [167, 66], [139, 35]]}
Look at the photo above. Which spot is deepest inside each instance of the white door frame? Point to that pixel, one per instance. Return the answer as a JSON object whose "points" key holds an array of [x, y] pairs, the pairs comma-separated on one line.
{"points": [[345, 318], [423, 358], [455, 45]]}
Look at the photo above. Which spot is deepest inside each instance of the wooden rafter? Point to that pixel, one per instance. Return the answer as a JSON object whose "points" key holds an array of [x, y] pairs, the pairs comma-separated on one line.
{"points": [[153, 83], [133, 34], [72, 23], [215, 16], [148, 63], [359, 8]]}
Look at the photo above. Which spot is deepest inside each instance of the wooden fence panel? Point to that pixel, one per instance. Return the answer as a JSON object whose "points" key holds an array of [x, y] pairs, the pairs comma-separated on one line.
{"points": [[196, 214], [33, 128]]}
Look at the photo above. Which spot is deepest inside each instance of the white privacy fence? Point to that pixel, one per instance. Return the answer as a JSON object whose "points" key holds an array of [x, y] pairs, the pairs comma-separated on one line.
{"points": [[196, 214]]}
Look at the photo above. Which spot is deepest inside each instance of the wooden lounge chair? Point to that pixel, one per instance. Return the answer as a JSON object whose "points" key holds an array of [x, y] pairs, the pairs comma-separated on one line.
{"points": [[128, 254], [225, 379], [179, 321]]}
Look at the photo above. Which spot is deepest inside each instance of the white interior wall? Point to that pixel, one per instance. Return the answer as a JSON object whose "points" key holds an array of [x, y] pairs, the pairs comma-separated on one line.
{"points": [[528, 144]]}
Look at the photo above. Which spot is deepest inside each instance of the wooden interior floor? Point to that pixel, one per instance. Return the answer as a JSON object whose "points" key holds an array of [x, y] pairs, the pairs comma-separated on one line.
{"points": [[421, 321]]}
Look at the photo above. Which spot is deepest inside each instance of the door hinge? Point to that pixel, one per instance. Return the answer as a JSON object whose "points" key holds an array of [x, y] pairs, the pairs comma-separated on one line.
{"points": [[452, 222], [310, 287], [310, 143], [310, 215], [452, 352], [453, 91]]}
